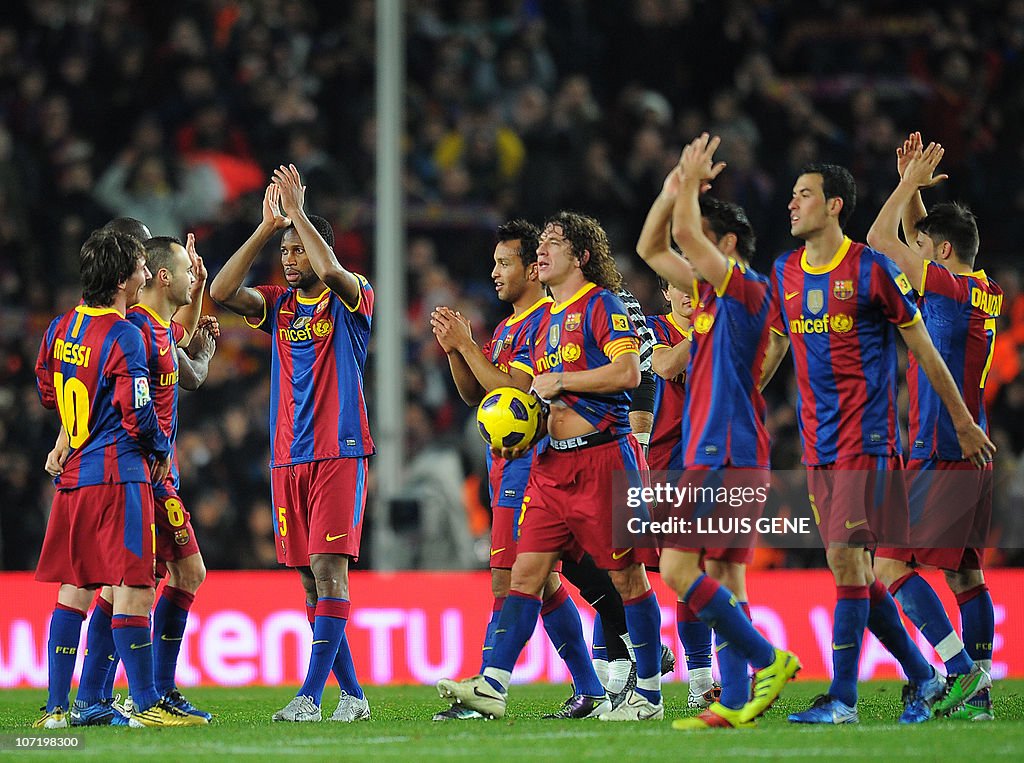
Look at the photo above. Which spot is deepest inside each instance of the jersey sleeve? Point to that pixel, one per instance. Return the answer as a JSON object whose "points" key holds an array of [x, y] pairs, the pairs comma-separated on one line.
{"points": [[660, 331], [44, 371], [522, 348], [643, 331], [270, 295], [611, 328], [177, 331], [892, 292], [745, 287], [938, 280], [126, 366], [364, 302], [775, 320]]}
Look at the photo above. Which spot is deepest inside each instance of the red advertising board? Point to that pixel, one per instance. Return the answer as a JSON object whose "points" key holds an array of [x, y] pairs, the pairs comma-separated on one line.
{"points": [[415, 627]]}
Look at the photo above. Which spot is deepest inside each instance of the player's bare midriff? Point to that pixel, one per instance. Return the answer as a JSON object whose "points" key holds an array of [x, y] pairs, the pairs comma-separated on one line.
{"points": [[564, 422]]}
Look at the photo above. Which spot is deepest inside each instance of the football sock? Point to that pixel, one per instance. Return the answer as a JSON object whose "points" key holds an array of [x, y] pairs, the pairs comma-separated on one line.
{"points": [[643, 616], [62, 651], [977, 622], [716, 606], [328, 628], [599, 651], [135, 645], [925, 611], [169, 620], [850, 619], [618, 675], [733, 667], [695, 637], [515, 626], [597, 589], [344, 668], [115, 660], [99, 652], [562, 623], [492, 625]]}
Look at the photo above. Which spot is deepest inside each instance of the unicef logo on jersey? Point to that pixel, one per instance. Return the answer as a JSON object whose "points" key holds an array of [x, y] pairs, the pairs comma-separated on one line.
{"points": [[304, 329]]}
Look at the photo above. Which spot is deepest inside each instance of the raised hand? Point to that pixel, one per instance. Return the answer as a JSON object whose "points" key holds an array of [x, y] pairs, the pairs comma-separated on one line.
{"points": [[272, 208], [906, 152], [698, 160], [920, 170], [670, 187], [291, 191]]}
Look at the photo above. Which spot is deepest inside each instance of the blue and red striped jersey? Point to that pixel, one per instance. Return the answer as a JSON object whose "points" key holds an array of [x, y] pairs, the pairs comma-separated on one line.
{"points": [[841, 319], [317, 402], [160, 339], [723, 422], [960, 314], [666, 447], [510, 347], [589, 330], [92, 369]]}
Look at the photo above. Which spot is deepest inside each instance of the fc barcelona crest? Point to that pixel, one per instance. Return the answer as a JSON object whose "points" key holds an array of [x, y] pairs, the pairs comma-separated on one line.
{"points": [[815, 300], [572, 321], [842, 289], [553, 335]]}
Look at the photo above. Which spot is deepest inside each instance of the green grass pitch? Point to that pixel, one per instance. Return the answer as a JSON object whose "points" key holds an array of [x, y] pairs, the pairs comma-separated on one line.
{"points": [[400, 729]]}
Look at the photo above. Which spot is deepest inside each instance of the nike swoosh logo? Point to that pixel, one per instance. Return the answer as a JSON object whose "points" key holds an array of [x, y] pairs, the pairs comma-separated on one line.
{"points": [[497, 550], [322, 641], [617, 556], [840, 647], [850, 525], [335, 537], [164, 350], [164, 637], [720, 647], [791, 294], [479, 693], [142, 646]]}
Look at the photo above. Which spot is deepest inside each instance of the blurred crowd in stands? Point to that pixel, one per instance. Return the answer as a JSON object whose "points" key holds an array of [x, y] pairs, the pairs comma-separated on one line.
{"points": [[175, 113]]}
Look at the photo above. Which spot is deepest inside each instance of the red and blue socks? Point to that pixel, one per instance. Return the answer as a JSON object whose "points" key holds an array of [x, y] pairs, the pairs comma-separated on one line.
{"points": [[564, 628], [134, 643], [695, 636], [733, 667], [925, 611], [344, 667], [884, 621], [643, 618], [492, 625], [169, 620], [99, 653], [716, 606], [978, 625], [328, 630], [516, 622], [853, 606], [62, 651]]}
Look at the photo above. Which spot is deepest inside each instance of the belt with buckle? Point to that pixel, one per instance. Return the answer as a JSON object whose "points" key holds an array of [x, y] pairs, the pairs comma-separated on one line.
{"points": [[583, 441]]}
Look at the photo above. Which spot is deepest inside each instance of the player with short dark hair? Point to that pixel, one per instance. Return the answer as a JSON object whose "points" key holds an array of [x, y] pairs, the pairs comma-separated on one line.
{"points": [[320, 326], [722, 431], [840, 304], [92, 369], [951, 499]]}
